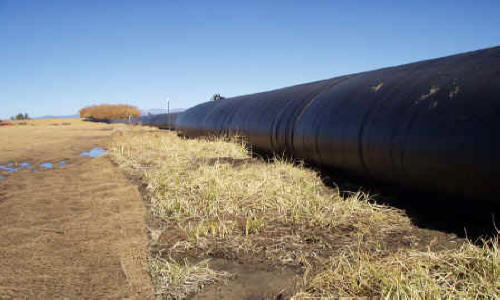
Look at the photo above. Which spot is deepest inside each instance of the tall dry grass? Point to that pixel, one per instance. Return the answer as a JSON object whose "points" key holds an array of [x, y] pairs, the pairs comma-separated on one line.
{"points": [[109, 111], [215, 195]]}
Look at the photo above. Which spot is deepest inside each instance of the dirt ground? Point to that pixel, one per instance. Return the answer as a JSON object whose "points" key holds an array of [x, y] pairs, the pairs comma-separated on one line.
{"points": [[76, 231]]}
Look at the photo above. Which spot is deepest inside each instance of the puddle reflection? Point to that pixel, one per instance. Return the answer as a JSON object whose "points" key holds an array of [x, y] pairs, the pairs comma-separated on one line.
{"points": [[47, 165], [4, 168], [11, 167], [95, 152]]}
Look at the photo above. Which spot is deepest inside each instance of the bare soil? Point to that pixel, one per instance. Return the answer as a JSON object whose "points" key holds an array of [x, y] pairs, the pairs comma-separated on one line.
{"points": [[71, 232], [251, 281]]}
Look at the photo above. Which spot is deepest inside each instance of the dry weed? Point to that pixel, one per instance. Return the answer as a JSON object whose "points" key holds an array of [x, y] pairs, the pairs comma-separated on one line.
{"points": [[212, 194]]}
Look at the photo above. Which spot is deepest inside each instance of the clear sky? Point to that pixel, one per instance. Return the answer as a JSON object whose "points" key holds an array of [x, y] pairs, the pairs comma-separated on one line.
{"points": [[58, 56]]}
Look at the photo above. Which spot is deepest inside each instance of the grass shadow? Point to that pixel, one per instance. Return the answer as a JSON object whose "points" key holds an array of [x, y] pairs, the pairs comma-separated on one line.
{"points": [[467, 218]]}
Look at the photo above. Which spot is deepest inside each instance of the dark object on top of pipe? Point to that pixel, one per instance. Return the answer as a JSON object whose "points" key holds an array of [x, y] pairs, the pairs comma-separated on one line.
{"points": [[432, 125]]}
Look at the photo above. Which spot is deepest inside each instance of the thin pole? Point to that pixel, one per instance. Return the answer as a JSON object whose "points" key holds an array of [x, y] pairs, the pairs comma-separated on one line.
{"points": [[168, 112]]}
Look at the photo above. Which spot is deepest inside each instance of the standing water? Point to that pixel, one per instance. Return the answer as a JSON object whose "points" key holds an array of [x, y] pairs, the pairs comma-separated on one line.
{"points": [[46, 165], [95, 152], [11, 167]]}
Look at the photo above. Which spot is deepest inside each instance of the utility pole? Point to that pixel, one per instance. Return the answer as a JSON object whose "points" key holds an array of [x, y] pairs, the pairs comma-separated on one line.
{"points": [[168, 112]]}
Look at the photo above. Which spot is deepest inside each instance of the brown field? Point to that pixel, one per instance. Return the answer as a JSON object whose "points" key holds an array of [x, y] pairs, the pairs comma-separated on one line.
{"points": [[71, 232]]}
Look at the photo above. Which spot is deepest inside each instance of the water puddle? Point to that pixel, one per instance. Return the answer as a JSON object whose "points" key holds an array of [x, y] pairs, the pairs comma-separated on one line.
{"points": [[95, 152], [251, 282], [11, 167], [5, 168], [46, 165]]}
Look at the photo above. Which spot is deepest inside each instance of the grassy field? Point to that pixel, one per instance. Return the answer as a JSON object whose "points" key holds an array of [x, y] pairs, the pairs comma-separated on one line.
{"points": [[70, 232], [212, 203], [49, 139]]}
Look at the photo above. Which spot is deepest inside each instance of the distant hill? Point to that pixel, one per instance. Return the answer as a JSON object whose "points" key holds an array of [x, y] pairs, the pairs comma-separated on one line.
{"points": [[58, 117], [157, 111], [144, 112]]}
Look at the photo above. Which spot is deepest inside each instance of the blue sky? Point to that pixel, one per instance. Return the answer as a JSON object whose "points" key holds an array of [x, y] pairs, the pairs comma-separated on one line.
{"points": [[58, 56]]}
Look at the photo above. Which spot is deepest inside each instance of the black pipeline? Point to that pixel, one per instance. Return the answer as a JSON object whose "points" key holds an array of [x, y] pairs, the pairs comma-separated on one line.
{"points": [[432, 125], [163, 121]]}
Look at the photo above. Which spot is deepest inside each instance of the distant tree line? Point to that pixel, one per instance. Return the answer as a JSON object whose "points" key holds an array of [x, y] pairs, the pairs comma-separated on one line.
{"points": [[20, 116], [110, 111]]}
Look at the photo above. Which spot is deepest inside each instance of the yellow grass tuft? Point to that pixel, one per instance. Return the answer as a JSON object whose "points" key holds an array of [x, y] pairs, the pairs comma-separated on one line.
{"points": [[469, 272], [175, 280]]}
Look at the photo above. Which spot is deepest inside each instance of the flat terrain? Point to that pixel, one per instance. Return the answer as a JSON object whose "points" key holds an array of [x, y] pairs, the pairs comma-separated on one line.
{"points": [[69, 232]]}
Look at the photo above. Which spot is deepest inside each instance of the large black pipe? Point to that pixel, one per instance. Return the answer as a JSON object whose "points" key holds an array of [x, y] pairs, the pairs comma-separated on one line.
{"points": [[163, 121], [431, 125]]}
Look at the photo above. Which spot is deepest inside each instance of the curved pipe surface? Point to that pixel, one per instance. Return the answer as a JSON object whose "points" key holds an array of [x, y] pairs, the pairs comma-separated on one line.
{"points": [[431, 125], [163, 121]]}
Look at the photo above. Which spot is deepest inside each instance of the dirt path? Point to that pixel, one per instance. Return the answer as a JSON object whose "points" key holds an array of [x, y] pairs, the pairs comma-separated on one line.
{"points": [[76, 231]]}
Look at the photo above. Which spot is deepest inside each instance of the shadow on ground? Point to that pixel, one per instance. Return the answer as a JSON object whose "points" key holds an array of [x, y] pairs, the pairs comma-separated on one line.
{"points": [[466, 218]]}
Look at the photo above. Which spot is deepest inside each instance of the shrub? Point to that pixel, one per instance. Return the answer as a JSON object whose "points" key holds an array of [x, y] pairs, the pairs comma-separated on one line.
{"points": [[109, 111], [21, 116]]}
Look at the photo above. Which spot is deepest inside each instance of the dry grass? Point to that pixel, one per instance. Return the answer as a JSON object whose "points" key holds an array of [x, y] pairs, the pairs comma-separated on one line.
{"points": [[73, 232], [178, 280], [470, 272], [215, 200]]}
